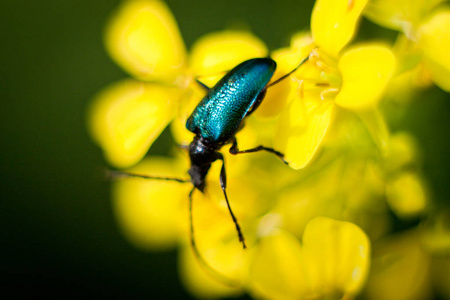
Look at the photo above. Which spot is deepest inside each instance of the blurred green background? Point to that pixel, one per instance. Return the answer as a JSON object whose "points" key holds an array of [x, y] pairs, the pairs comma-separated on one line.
{"points": [[58, 233]]}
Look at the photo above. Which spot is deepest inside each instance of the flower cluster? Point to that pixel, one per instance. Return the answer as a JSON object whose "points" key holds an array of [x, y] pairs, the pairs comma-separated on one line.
{"points": [[320, 227]]}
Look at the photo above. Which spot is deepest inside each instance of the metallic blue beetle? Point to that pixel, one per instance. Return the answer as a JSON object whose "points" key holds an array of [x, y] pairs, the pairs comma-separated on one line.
{"points": [[216, 120], [221, 113]]}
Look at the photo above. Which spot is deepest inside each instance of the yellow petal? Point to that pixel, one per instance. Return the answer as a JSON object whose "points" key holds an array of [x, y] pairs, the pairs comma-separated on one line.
{"points": [[406, 195], [127, 117], [191, 98], [217, 241], [338, 254], [208, 284], [302, 127], [365, 70], [276, 271], [143, 38], [287, 60], [148, 211], [401, 15], [216, 53], [435, 42], [333, 23]]}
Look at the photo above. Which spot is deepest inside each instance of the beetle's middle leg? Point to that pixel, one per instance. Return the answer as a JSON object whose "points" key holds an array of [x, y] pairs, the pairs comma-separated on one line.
{"points": [[235, 150]]}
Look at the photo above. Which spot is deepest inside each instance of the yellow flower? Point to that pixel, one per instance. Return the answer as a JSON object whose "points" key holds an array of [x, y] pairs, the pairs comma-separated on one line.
{"points": [[401, 15], [142, 37], [297, 248], [126, 118], [151, 214], [352, 79], [331, 262], [333, 23], [425, 28], [392, 182], [435, 42]]}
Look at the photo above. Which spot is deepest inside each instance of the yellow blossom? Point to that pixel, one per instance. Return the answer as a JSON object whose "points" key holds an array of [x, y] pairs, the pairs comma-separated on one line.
{"points": [[143, 38], [435, 42], [352, 79], [154, 215], [424, 25], [148, 222], [126, 118], [402, 15], [333, 23], [309, 232], [359, 66], [332, 261]]}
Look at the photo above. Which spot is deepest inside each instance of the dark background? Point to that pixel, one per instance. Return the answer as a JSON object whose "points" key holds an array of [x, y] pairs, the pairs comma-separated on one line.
{"points": [[58, 235]]}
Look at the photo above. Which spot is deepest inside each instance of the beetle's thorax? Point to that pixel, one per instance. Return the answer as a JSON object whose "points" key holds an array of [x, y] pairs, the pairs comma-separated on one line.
{"points": [[202, 155]]}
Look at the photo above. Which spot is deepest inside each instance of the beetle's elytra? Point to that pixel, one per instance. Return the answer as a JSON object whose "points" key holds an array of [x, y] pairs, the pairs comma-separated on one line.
{"points": [[217, 117]]}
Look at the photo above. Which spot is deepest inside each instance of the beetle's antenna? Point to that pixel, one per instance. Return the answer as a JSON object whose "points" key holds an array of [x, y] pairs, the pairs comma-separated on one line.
{"points": [[286, 75], [206, 267], [113, 174]]}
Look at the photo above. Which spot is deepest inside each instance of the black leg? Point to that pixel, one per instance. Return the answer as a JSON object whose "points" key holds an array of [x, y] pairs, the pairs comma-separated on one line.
{"points": [[206, 267], [223, 185], [235, 150]]}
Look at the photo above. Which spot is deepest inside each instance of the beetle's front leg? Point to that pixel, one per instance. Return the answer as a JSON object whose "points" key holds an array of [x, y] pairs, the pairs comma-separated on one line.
{"points": [[223, 185]]}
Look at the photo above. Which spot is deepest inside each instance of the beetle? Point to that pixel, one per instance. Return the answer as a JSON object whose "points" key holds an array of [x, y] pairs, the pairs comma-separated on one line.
{"points": [[215, 122], [221, 114]]}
